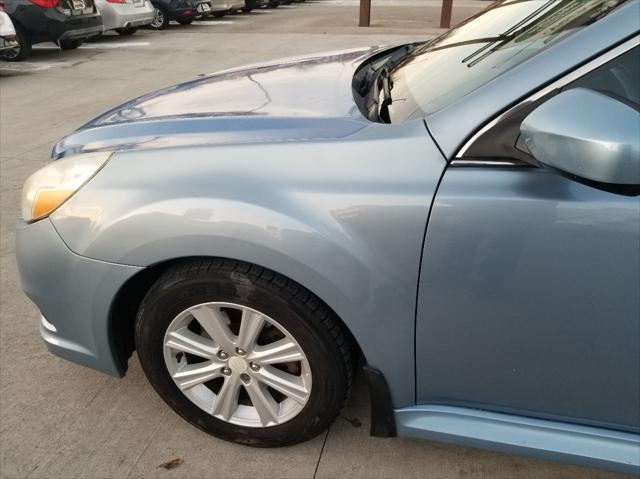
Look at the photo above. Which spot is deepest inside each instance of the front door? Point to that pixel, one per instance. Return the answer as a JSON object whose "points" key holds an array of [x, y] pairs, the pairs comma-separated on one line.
{"points": [[529, 290]]}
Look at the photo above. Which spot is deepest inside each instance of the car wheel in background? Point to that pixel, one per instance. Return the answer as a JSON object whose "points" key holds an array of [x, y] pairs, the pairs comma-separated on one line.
{"points": [[274, 3], [70, 44], [244, 353], [126, 31], [249, 5], [160, 18], [22, 51]]}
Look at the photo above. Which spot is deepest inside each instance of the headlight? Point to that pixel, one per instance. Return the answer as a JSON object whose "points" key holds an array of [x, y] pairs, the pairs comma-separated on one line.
{"points": [[51, 186]]}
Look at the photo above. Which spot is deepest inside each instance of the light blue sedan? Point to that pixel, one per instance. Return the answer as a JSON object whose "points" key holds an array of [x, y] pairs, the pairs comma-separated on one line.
{"points": [[460, 217]]}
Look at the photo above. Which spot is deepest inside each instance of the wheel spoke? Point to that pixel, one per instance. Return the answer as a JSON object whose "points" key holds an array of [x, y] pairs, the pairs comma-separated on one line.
{"points": [[281, 351], [288, 384], [266, 407], [189, 342], [250, 327], [214, 322], [227, 398], [201, 359], [191, 375]]}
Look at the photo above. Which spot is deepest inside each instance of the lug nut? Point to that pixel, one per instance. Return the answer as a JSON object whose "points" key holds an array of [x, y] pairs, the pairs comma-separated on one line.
{"points": [[226, 371], [254, 367], [222, 355], [240, 352], [245, 377]]}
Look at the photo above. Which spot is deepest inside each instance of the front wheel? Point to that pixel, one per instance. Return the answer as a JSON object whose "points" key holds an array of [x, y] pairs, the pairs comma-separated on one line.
{"points": [[70, 44], [244, 353], [160, 18]]}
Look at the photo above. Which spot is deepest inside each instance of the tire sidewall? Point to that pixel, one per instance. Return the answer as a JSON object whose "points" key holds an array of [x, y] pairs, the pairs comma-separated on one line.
{"points": [[327, 371], [70, 44]]}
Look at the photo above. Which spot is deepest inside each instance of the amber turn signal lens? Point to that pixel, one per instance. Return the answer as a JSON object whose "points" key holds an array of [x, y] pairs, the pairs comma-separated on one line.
{"points": [[48, 188], [48, 200]]}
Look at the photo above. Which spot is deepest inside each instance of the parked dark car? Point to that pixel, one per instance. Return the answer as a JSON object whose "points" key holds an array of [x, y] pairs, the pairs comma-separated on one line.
{"points": [[66, 22], [250, 5], [255, 4], [182, 11]]}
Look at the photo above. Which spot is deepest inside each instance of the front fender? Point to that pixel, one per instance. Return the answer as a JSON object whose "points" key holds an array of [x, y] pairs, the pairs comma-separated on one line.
{"points": [[343, 218]]}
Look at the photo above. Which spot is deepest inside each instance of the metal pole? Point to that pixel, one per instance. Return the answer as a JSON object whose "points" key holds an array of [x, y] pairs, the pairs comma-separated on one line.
{"points": [[365, 13], [445, 17]]}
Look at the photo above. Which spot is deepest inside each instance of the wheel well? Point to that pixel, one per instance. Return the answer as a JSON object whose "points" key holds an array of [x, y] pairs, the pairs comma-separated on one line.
{"points": [[127, 302]]}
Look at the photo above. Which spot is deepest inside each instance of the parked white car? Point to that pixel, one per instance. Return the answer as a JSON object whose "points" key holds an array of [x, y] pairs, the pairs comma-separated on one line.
{"points": [[219, 8], [125, 16], [7, 33]]}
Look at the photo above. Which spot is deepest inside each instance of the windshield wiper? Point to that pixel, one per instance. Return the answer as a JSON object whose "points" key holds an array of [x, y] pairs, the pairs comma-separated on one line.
{"points": [[375, 83], [384, 100], [523, 25], [371, 74]]}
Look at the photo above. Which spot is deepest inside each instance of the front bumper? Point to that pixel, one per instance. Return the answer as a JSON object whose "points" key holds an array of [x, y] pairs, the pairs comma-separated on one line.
{"points": [[74, 295]]}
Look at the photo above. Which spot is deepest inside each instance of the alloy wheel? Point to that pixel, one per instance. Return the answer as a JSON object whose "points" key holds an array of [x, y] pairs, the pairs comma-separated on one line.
{"points": [[12, 53], [158, 18], [237, 364]]}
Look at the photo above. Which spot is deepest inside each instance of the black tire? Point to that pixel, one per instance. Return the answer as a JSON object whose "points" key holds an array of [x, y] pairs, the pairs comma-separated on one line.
{"points": [[161, 21], [249, 5], [70, 44], [22, 51], [315, 327], [125, 32], [274, 4], [185, 21]]}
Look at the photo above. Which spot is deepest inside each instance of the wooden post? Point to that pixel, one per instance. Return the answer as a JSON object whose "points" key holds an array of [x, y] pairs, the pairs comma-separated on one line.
{"points": [[445, 17], [365, 13]]}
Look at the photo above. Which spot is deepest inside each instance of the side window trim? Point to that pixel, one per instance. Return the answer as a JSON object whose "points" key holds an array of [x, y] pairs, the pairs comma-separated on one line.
{"points": [[460, 160]]}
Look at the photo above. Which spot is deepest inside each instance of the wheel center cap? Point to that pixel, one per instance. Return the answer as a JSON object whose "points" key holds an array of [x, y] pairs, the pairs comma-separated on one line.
{"points": [[237, 365]]}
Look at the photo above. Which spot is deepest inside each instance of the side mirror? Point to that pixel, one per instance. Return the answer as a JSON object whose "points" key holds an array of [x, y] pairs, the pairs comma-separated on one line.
{"points": [[587, 134]]}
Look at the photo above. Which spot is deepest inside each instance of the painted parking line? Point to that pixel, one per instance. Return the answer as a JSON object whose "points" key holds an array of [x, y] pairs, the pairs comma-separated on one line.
{"points": [[112, 45], [98, 46], [31, 66], [213, 23]]}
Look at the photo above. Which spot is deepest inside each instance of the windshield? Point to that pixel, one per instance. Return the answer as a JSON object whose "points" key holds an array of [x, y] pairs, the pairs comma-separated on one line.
{"points": [[458, 62]]}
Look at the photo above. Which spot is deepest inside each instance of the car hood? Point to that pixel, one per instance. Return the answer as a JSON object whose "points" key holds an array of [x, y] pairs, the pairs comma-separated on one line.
{"points": [[292, 99]]}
